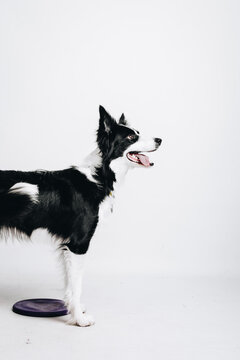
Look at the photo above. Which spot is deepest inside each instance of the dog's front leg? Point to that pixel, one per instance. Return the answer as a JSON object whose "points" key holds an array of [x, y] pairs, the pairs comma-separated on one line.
{"points": [[74, 267]]}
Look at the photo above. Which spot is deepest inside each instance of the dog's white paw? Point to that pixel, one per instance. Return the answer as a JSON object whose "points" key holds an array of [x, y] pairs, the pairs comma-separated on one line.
{"points": [[82, 320], [67, 303]]}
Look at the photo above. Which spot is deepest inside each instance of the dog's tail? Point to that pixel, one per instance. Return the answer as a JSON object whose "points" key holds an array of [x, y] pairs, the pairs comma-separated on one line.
{"points": [[16, 200], [8, 178], [12, 205]]}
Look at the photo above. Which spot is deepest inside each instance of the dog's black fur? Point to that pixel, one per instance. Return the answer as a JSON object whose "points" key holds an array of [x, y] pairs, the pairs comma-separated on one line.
{"points": [[68, 202]]}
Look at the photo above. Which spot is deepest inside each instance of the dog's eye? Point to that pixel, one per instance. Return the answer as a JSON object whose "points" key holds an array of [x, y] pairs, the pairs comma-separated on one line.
{"points": [[131, 137]]}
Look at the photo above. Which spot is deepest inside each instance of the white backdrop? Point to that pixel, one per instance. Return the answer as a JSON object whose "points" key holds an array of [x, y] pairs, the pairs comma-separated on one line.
{"points": [[173, 68]]}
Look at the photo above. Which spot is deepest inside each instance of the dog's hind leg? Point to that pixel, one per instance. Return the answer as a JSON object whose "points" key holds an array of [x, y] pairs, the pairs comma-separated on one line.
{"points": [[74, 267]]}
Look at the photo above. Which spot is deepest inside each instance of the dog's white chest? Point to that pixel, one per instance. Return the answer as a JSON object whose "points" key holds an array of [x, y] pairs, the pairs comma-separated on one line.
{"points": [[106, 207]]}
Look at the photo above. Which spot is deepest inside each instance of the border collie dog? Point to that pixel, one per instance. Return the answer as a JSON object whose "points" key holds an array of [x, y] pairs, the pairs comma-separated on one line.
{"points": [[70, 203]]}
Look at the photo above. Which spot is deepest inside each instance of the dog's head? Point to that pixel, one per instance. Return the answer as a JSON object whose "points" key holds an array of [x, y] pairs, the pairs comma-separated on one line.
{"points": [[117, 140]]}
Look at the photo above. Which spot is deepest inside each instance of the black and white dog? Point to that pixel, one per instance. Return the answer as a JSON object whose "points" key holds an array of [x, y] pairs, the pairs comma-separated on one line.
{"points": [[70, 203]]}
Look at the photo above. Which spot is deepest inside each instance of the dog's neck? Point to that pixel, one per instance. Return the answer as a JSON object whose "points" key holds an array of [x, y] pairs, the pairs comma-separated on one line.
{"points": [[111, 175], [120, 169], [92, 161]]}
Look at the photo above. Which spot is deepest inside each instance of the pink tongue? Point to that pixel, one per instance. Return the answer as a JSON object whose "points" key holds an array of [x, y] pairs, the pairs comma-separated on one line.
{"points": [[144, 159]]}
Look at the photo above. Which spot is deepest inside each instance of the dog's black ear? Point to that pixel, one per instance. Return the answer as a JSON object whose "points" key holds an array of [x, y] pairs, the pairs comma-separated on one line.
{"points": [[106, 122], [122, 120], [105, 130]]}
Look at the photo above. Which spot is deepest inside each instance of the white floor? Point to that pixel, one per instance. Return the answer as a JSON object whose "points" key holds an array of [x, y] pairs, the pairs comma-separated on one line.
{"points": [[137, 317]]}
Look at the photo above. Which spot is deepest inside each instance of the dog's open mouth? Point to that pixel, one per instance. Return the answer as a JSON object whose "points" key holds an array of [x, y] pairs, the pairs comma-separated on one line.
{"points": [[139, 158]]}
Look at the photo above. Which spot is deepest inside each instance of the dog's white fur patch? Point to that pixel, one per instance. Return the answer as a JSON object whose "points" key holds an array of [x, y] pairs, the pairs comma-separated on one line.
{"points": [[74, 267], [12, 233], [87, 171], [26, 188], [89, 164], [142, 144], [106, 208]]}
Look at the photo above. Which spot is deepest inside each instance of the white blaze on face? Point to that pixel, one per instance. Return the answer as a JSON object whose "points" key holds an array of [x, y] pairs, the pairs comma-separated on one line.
{"points": [[142, 145]]}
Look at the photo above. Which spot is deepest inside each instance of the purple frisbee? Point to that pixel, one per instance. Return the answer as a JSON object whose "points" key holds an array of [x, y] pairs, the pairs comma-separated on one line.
{"points": [[40, 307]]}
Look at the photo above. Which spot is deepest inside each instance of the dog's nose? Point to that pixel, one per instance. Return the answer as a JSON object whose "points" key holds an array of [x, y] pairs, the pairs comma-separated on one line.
{"points": [[158, 141]]}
